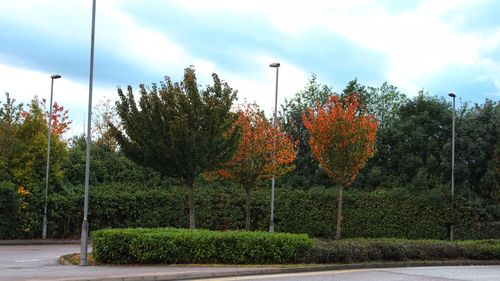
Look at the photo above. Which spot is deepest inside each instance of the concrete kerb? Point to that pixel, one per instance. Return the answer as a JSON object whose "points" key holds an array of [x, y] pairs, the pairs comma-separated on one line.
{"points": [[266, 271]]}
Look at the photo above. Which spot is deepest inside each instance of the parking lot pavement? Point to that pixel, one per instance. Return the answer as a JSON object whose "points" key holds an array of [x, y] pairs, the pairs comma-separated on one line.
{"points": [[39, 262]]}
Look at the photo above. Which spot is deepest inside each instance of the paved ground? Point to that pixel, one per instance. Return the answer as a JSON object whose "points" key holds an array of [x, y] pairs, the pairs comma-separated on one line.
{"points": [[39, 262], [21, 261], [452, 273]]}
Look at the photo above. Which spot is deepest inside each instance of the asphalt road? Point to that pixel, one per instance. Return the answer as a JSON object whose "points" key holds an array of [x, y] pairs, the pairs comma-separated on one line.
{"points": [[451, 273], [39, 262]]}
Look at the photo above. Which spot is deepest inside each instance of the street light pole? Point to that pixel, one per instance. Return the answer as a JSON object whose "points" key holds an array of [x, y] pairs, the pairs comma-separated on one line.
{"points": [[85, 224], [49, 133], [452, 95], [277, 66]]}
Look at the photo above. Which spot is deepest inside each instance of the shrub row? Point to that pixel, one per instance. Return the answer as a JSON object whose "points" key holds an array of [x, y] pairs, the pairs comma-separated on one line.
{"points": [[171, 246], [364, 250], [10, 214], [397, 213]]}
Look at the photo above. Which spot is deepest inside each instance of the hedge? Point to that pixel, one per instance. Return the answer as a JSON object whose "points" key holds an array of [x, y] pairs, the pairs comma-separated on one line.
{"points": [[173, 246], [10, 222], [365, 250], [396, 214]]}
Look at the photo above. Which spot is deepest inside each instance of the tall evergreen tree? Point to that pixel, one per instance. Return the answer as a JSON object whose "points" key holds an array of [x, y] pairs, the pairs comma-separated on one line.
{"points": [[178, 129]]}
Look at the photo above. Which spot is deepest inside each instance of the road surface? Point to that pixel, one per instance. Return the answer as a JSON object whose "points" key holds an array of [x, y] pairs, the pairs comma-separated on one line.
{"points": [[39, 262], [450, 273]]}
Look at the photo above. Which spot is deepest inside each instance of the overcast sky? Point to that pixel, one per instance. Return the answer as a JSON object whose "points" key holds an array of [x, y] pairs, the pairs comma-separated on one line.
{"points": [[438, 46]]}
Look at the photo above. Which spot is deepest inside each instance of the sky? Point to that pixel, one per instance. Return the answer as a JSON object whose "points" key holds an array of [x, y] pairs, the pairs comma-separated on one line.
{"points": [[438, 46]]}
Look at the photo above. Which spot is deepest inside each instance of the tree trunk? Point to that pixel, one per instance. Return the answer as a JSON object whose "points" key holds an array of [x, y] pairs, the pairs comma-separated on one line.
{"points": [[191, 206], [248, 197], [340, 200]]}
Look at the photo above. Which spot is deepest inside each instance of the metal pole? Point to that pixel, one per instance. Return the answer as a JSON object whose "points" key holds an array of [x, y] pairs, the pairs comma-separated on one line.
{"points": [[453, 95], [49, 133], [85, 224], [271, 225]]}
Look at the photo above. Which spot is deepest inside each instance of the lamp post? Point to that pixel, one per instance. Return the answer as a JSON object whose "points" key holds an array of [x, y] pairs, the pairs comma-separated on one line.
{"points": [[85, 225], [49, 133], [452, 95], [273, 182]]}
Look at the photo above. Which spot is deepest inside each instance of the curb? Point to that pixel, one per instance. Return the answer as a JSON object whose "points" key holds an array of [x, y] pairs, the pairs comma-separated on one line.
{"points": [[37, 242], [267, 271]]}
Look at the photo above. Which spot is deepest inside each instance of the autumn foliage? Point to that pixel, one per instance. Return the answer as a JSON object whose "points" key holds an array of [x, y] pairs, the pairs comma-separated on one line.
{"points": [[256, 157], [342, 139], [59, 119]]}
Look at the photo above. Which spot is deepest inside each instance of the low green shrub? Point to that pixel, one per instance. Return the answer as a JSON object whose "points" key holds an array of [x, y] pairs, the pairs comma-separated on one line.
{"points": [[364, 250], [172, 246]]}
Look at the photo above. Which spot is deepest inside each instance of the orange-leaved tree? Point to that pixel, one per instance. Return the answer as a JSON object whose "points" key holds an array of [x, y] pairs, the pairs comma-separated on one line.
{"points": [[263, 151], [342, 139]]}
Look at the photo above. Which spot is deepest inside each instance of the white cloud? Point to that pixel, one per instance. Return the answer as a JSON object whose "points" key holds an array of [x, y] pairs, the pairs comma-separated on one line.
{"points": [[146, 47], [24, 84], [261, 88], [417, 42]]}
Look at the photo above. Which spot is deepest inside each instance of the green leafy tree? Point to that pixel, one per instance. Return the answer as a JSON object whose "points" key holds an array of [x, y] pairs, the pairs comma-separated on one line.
{"points": [[415, 149], [178, 129], [10, 121], [28, 167], [26, 154], [108, 166], [307, 170], [477, 142], [384, 102], [105, 114]]}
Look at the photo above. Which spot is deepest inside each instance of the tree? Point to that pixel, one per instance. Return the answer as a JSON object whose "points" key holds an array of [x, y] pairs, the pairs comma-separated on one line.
{"points": [[477, 143], [28, 167], [307, 171], [342, 139], [59, 119], [416, 149], [179, 130], [10, 121], [108, 165], [105, 114], [256, 158], [384, 102]]}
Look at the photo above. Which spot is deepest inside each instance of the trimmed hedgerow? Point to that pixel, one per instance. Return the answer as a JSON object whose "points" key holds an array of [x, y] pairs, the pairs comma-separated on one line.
{"points": [[395, 213], [364, 250], [10, 224], [172, 246]]}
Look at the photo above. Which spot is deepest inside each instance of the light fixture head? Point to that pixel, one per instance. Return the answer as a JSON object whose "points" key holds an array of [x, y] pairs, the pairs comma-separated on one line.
{"points": [[274, 64], [452, 94], [55, 76]]}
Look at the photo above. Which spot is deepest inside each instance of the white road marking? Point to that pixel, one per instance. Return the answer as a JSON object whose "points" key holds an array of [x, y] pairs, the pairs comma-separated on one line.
{"points": [[29, 260]]}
